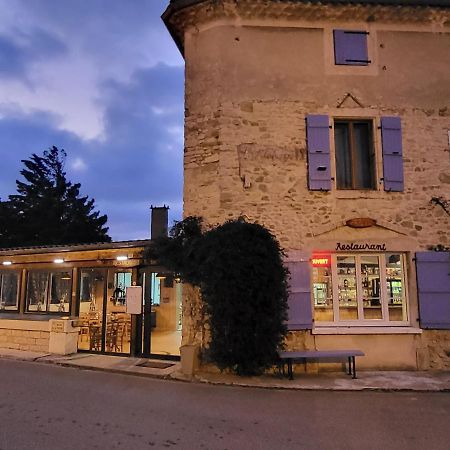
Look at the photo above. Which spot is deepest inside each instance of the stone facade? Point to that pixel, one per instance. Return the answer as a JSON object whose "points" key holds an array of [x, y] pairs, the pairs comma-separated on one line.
{"points": [[21, 335], [254, 70]]}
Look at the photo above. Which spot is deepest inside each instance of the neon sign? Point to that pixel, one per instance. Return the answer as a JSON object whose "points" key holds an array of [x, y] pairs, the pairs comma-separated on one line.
{"points": [[321, 260]]}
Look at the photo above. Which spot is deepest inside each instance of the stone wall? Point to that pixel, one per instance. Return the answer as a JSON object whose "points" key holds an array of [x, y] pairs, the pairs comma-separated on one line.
{"points": [[251, 79], [24, 335]]}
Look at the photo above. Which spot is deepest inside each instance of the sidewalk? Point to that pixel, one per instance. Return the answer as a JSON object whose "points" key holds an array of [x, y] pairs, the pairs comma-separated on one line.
{"points": [[380, 380]]}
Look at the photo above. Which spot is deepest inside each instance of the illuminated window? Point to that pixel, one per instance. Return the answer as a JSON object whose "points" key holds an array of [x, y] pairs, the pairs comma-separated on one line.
{"points": [[359, 289]]}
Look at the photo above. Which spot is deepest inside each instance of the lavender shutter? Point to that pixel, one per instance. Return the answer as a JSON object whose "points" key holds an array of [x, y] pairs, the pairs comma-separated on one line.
{"points": [[350, 48], [391, 137], [299, 300], [318, 137], [433, 285]]}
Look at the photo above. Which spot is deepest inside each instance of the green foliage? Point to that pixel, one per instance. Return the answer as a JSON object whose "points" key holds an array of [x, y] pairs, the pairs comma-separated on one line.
{"points": [[48, 209], [238, 267]]}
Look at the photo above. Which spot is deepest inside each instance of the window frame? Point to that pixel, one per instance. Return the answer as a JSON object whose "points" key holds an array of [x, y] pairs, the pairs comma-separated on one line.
{"points": [[384, 301], [19, 279], [49, 272], [373, 152]]}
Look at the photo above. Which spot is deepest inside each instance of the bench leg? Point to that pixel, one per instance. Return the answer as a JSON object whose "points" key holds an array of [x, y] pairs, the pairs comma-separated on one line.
{"points": [[290, 372], [354, 367]]}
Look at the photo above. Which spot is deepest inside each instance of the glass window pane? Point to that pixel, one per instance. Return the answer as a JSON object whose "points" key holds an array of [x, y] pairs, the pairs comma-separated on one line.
{"points": [[37, 288], [323, 294], [343, 156], [118, 322], [370, 282], [92, 283], [61, 283], [9, 291], [363, 155], [395, 287], [346, 271]]}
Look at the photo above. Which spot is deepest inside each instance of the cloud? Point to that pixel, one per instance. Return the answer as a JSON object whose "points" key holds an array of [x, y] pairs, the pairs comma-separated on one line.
{"points": [[138, 162], [21, 50], [103, 80]]}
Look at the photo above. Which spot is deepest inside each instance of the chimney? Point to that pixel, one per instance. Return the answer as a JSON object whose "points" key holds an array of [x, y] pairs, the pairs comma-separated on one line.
{"points": [[160, 221]]}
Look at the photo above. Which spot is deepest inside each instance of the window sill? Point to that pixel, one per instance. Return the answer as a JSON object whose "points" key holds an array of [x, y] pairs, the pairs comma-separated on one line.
{"points": [[352, 194], [366, 330]]}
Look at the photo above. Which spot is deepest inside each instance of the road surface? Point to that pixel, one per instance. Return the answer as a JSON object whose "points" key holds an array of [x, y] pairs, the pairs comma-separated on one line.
{"points": [[50, 407]]}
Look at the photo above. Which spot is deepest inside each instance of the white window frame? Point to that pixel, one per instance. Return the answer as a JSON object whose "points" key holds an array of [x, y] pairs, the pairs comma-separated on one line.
{"points": [[385, 322]]}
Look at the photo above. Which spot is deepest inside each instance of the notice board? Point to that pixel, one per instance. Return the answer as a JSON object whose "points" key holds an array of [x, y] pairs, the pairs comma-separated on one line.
{"points": [[134, 299]]}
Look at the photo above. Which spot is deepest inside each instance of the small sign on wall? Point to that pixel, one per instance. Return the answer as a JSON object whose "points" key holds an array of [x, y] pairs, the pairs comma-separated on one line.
{"points": [[134, 299]]}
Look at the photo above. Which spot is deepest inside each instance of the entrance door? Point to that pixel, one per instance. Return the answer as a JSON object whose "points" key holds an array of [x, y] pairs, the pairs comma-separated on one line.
{"points": [[162, 315], [105, 326]]}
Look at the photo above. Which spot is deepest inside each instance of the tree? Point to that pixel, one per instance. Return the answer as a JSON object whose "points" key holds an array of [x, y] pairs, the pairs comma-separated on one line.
{"points": [[48, 209], [239, 270]]}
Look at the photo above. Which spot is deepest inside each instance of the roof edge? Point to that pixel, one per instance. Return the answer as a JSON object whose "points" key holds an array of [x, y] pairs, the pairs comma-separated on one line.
{"points": [[178, 5]]}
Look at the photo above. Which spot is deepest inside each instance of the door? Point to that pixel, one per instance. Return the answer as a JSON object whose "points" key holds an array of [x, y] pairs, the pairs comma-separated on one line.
{"points": [[162, 315], [104, 324]]}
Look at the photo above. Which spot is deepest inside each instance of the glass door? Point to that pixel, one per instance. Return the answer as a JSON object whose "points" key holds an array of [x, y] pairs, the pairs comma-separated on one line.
{"points": [[105, 325], [91, 300], [162, 315]]}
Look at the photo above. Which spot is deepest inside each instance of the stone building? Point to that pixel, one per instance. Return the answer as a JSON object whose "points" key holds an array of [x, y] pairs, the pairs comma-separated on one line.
{"points": [[329, 123]]}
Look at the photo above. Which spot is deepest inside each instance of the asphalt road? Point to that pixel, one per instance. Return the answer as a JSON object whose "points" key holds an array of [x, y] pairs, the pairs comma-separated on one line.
{"points": [[49, 407]]}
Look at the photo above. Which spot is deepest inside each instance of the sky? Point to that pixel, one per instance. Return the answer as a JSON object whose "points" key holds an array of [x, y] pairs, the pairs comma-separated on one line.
{"points": [[103, 80]]}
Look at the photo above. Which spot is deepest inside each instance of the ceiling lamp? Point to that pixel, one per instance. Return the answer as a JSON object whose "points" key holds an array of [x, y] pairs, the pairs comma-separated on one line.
{"points": [[58, 261], [122, 258], [7, 263]]}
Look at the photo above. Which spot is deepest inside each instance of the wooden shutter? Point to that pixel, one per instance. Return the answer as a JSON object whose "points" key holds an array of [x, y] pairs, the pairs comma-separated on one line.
{"points": [[318, 138], [350, 48], [299, 301], [433, 285], [391, 137]]}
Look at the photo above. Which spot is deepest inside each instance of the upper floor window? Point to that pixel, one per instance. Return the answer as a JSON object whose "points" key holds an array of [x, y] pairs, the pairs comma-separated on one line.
{"points": [[9, 291], [355, 154], [350, 48]]}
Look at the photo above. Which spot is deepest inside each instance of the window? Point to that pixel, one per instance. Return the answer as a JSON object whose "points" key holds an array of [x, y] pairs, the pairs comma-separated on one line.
{"points": [[9, 291], [48, 291], [355, 154], [362, 289], [350, 48]]}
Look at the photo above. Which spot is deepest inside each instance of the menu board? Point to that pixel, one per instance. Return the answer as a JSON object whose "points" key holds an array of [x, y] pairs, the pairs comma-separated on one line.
{"points": [[134, 299]]}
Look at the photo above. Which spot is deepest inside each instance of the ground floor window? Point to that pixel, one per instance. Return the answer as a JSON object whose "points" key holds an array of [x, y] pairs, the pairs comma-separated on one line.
{"points": [[362, 289], [9, 291], [49, 291]]}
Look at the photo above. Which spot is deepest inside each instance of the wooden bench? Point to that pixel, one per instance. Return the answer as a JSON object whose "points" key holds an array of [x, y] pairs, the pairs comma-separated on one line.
{"points": [[301, 356]]}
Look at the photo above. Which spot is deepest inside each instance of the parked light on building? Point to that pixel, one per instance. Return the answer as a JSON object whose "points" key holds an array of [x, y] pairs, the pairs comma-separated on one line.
{"points": [[7, 263], [58, 261], [122, 258]]}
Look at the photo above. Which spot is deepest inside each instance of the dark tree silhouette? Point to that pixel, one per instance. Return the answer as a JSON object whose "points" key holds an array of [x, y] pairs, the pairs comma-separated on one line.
{"points": [[48, 208]]}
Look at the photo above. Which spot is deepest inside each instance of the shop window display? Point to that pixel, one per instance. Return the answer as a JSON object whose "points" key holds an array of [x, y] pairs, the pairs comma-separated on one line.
{"points": [[360, 289]]}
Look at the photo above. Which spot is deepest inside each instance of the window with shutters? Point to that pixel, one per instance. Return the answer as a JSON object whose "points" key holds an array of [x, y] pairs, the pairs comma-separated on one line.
{"points": [[354, 154], [359, 289], [350, 48]]}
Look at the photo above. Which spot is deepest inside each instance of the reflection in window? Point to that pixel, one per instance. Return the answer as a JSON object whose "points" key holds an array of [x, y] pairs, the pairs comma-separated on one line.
{"points": [[48, 291], [395, 289], [9, 291]]}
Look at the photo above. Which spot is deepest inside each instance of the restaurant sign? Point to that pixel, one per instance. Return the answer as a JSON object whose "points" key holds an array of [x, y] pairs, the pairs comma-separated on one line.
{"points": [[354, 246]]}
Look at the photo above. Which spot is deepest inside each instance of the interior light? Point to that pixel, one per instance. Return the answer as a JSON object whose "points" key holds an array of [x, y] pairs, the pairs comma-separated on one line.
{"points": [[160, 276], [65, 276], [7, 263], [58, 261], [122, 258]]}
